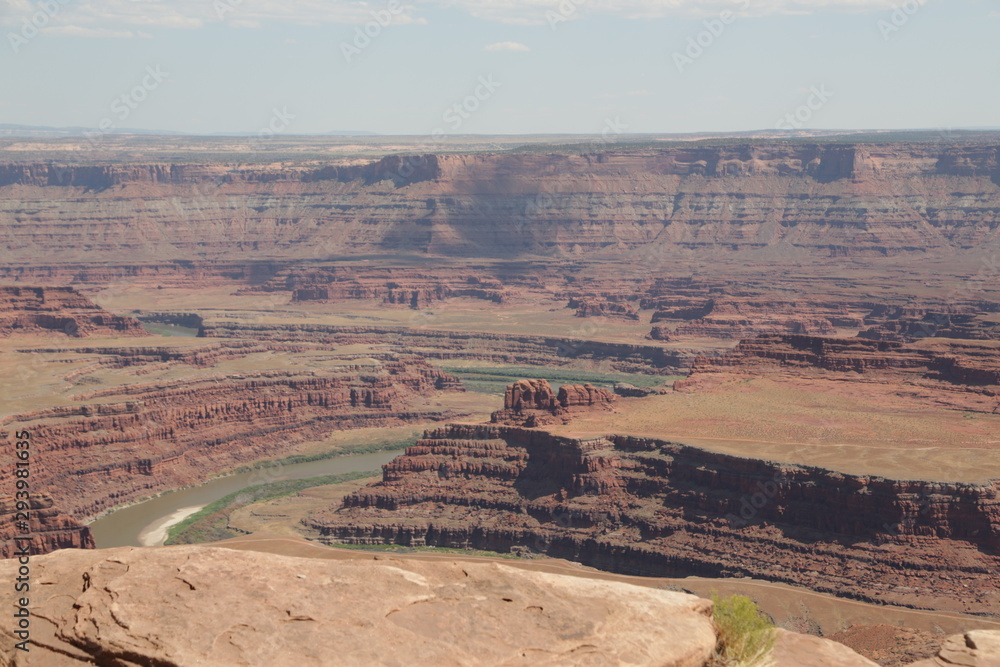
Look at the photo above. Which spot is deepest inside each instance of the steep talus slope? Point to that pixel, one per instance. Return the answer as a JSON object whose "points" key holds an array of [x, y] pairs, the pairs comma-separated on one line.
{"points": [[837, 200]]}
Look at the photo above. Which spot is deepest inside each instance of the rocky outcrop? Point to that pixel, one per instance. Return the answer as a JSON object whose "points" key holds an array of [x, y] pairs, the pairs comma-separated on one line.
{"points": [[978, 648], [414, 288], [659, 333], [798, 650], [530, 395], [217, 606], [534, 403], [631, 391], [642, 506], [61, 311], [609, 309], [48, 528]]}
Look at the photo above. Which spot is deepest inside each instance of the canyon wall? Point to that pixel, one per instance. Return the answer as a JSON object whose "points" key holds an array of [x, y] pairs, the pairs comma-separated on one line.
{"points": [[649, 507], [962, 374], [43, 311], [48, 528], [804, 200], [116, 444]]}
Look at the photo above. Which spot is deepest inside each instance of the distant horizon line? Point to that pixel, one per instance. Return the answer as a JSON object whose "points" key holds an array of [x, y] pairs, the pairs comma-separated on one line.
{"points": [[17, 130]]}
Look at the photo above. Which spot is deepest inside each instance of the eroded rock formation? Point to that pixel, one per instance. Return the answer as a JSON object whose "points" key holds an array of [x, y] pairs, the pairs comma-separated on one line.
{"points": [[643, 506], [59, 311], [534, 403], [48, 528], [609, 309], [480, 346]]}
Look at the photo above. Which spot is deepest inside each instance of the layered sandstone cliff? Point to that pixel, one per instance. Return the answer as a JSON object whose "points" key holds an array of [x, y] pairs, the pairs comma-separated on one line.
{"points": [[481, 346], [48, 529], [643, 506], [59, 311], [117, 444], [962, 374], [806, 200]]}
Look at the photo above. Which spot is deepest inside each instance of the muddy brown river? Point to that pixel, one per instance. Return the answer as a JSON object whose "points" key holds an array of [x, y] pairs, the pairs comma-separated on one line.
{"points": [[149, 519]]}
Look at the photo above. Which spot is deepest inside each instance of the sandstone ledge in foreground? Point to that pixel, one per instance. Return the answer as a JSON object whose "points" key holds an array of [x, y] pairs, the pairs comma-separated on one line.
{"points": [[208, 605]]}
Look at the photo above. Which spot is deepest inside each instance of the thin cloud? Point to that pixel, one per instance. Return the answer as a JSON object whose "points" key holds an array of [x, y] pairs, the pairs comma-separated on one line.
{"points": [[116, 15], [507, 46], [80, 31]]}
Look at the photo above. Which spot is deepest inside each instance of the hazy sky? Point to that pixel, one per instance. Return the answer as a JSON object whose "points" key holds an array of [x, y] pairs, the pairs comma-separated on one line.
{"points": [[499, 66]]}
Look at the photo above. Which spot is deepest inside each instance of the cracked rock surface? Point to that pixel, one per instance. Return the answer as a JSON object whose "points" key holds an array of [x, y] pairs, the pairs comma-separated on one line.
{"points": [[216, 606]]}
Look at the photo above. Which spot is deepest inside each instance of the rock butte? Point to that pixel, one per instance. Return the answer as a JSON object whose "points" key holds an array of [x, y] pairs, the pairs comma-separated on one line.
{"points": [[534, 403]]}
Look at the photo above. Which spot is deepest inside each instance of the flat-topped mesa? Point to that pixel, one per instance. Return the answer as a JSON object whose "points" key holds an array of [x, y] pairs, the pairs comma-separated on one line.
{"points": [[964, 375], [534, 403], [806, 201], [495, 348], [59, 310]]}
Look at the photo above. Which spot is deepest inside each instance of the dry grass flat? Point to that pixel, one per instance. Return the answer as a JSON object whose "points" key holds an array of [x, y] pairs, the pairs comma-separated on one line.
{"points": [[541, 316], [864, 429]]}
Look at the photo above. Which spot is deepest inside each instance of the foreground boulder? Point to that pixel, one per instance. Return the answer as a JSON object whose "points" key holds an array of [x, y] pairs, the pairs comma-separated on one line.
{"points": [[978, 648], [214, 606], [792, 649]]}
